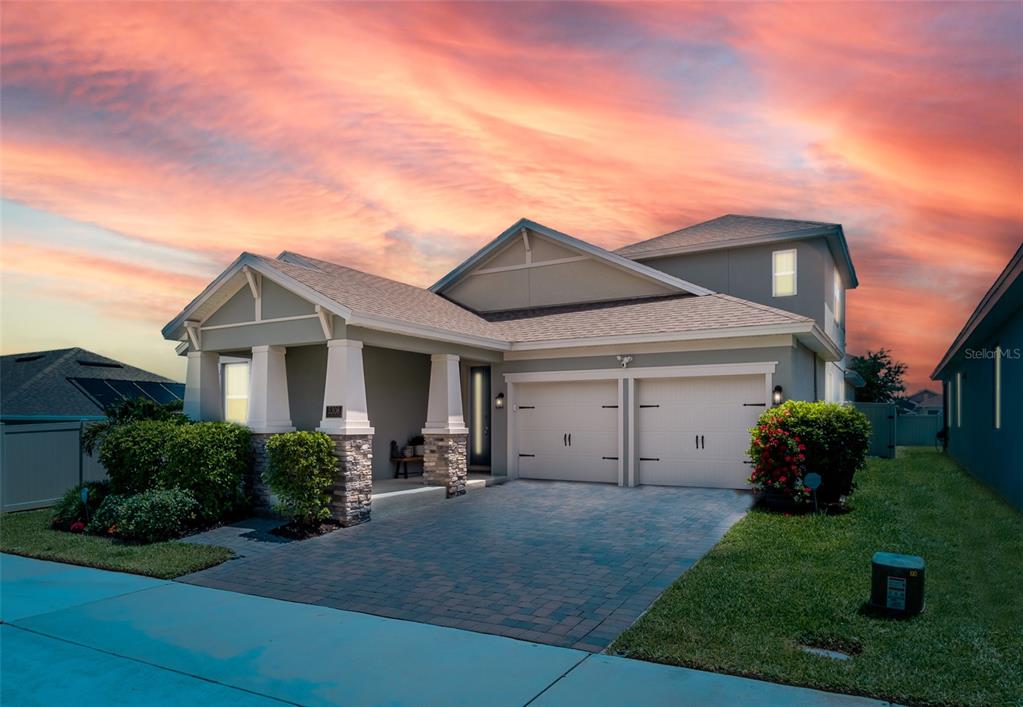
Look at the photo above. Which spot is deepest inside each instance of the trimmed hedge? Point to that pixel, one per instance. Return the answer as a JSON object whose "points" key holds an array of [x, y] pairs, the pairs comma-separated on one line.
{"points": [[134, 454], [208, 459], [147, 517], [300, 471], [799, 437]]}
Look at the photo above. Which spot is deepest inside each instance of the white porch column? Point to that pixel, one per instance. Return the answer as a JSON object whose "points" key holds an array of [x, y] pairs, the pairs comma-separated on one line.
{"points": [[444, 413], [202, 386], [269, 410], [344, 392]]}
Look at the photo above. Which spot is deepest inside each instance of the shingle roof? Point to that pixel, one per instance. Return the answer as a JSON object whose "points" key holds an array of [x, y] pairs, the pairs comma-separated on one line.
{"points": [[37, 383], [379, 296], [660, 315], [719, 231]]}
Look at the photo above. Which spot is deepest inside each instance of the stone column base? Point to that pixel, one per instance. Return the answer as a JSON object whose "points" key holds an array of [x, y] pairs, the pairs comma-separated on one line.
{"points": [[257, 491], [353, 485], [445, 462]]}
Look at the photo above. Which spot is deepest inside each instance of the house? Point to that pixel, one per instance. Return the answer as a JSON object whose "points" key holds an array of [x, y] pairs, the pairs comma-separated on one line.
{"points": [[541, 356], [926, 402], [73, 384], [45, 399], [982, 379]]}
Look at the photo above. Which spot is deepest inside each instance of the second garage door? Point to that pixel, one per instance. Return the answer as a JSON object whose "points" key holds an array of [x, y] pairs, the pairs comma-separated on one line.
{"points": [[568, 431], [694, 431]]}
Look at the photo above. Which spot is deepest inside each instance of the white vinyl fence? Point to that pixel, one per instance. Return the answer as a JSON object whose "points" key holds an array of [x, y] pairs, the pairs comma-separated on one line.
{"points": [[40, 461]]}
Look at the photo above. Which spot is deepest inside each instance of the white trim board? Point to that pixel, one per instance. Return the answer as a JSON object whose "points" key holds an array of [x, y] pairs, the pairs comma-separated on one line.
{"points": [[654, 347], [212, 327], [710, 369]]}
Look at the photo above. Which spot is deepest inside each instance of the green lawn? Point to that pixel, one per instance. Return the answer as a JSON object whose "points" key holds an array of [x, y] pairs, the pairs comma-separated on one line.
{"points": [[28, 533], [774, 581]]}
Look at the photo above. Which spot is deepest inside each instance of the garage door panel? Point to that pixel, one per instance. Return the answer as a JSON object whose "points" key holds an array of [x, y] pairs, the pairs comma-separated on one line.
{"points": [[715, 410], [549, 413]]}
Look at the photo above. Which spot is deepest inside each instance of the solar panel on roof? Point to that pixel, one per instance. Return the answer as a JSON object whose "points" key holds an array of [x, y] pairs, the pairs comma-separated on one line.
{"points": [[157, 392], [176, 389], [98, 390], [127, 389]]}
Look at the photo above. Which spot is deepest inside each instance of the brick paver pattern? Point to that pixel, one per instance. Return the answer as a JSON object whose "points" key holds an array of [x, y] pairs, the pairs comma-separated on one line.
{"points": [[566, 564]]}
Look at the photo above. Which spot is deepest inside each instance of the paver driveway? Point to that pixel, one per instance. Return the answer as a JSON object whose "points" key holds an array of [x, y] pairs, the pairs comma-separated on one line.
{"points": [[567, 564]]}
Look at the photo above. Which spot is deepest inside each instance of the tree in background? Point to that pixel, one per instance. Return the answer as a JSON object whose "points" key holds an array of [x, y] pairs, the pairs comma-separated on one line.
{"points": [[881, 374]]}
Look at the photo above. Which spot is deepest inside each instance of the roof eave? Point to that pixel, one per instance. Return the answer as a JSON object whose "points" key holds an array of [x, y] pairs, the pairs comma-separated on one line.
{"points": [[987, 303], [795, 328]]}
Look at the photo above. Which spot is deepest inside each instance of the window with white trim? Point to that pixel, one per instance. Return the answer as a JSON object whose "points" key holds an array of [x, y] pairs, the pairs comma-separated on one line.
{"points": [[236, 392], [839, 292], [783, 279], [959, 399], [998, 387]]}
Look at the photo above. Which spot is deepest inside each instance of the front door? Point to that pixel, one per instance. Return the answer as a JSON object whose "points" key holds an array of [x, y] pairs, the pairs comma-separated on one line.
{"points": [[479, 416]]}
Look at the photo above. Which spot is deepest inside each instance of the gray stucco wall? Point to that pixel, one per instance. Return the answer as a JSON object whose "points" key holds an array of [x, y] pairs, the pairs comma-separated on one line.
{"points": [[995, 456], [279, 302], [241, 307], [307, 371], [747, 273], [397, 394]]}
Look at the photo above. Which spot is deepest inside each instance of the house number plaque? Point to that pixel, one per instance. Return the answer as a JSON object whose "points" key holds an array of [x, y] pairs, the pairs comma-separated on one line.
{"points": [[335, 411]]}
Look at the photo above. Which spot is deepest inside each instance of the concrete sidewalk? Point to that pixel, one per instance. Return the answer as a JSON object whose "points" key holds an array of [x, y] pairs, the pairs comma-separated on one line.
{"points": [[78, 634]]}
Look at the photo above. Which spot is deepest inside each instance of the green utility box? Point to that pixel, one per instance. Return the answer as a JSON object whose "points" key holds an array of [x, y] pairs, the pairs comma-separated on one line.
{"points": [[897, 584]]}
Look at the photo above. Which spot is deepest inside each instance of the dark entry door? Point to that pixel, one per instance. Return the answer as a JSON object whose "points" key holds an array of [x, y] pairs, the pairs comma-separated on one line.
{"points": [[479, 416]]}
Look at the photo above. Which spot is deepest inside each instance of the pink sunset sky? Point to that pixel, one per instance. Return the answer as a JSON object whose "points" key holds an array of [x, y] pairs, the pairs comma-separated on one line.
{"points": [[145, 145]]}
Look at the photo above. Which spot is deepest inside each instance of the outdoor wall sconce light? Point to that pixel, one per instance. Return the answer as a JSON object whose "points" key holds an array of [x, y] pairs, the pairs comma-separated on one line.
{"points": [[779, 395], [499, 401]]}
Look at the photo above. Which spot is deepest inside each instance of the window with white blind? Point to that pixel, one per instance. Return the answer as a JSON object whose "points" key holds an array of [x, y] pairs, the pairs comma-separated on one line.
{"points": [[783, 280]]}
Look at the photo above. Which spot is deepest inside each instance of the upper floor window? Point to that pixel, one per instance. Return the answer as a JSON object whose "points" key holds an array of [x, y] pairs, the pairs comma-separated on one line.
{"points": [[236, 392], [784, 273], [839, 291]]}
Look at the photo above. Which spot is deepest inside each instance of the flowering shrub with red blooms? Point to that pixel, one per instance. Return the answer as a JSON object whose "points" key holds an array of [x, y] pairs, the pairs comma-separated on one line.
{"points": [[77, 527], [798, 437], [779, 457]]}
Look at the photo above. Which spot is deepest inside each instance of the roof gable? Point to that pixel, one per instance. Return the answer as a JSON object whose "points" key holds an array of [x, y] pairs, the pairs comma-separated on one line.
{"points": [[522, 229]]}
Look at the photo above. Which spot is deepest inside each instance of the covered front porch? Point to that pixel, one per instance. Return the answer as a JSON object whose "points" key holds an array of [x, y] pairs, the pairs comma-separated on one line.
{"points": [[370, 399]]}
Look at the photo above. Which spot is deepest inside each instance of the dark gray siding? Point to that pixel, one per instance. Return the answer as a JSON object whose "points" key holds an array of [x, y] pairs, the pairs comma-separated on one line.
{"points": [[993, 456]]}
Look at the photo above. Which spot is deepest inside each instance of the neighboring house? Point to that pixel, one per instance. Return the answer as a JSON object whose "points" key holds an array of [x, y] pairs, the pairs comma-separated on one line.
{"points": [[45, 399], [73, 384], [926, 402], [982, 376], [643, 366]]}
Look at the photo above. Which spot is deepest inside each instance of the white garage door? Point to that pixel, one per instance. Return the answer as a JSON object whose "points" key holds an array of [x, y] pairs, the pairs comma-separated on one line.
{"points": [[568, 431], [694, 431]]}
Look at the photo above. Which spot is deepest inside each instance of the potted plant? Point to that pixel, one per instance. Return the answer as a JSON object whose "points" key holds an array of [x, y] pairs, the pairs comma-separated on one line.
{"points": [[418, 444]]}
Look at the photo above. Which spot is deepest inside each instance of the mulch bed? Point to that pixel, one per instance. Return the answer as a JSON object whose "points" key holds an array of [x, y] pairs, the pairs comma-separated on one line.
{"points": [[297, 531]]}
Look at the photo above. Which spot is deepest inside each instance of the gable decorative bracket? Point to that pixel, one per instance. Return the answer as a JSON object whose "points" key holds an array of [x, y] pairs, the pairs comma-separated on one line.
{"points": [[194, 334], [326, 322]]}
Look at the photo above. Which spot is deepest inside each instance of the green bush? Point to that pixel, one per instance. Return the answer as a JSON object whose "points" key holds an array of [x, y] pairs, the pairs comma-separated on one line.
{"points": [[134, 454], [70, 510], [147, 517], [129, 410], [300, 472], [209, 460], [798, 437]]}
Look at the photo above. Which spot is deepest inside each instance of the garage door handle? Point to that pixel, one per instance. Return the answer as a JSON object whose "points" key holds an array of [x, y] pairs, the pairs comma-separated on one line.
{"points": [[650, 459], [697, 441], [612, 458], [527, 407], [564, 440], [650, 406], [609, 407], [703, 443], [569, 439], [527, 455], [754, 405]]}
